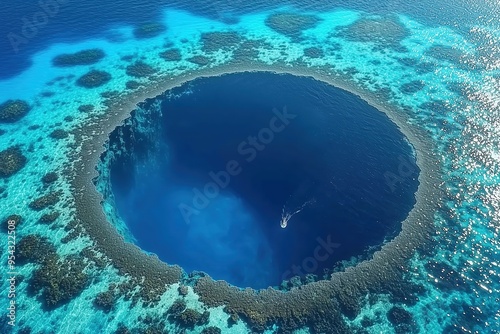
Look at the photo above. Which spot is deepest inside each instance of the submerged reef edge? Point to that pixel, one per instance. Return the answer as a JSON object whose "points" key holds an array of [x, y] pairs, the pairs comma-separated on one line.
{"points": [[319, 305]]}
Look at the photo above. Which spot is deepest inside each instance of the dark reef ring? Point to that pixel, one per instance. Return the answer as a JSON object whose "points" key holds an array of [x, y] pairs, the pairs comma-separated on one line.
{"points": [[320, 304]]}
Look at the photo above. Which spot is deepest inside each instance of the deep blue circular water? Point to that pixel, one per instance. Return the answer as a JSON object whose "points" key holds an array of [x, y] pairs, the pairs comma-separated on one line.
{"points": [[233, 155]]}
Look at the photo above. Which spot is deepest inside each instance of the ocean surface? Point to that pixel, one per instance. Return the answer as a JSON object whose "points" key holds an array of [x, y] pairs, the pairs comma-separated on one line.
{"points": [[373, 209]]}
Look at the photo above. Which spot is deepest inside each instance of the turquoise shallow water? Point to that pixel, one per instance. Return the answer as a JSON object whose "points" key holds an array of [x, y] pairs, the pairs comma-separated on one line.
{"points": [[440, 81]]}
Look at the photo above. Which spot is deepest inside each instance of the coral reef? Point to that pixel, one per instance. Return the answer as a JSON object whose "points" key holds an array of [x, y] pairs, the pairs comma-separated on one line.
{"points": [[314, 304], [94, 256], [150, 290], [247, 51], [45, 201], [211, 330], [447, 277], [214, 41], [290, 24], [50, 178], [190, 318], [199, 60], [58, 134], [49, 217], [177, 307], [13, 110], [47, 94], [12, 218], [132, 84], [122, 329], [59, 280], [128, 58], [105, 300], [446, 53], [85, 57], [25, 330], [313, 52], [140, 69], [171, 55], [86, 108], [183, 290], [93, 79], [438, 106], [400, 318], [74, 230], [407, 61], [34, 248], [384, 32], [412, 87], [349, 304], [110, 94], [12, 161], [233, 317], [149, 30]]}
